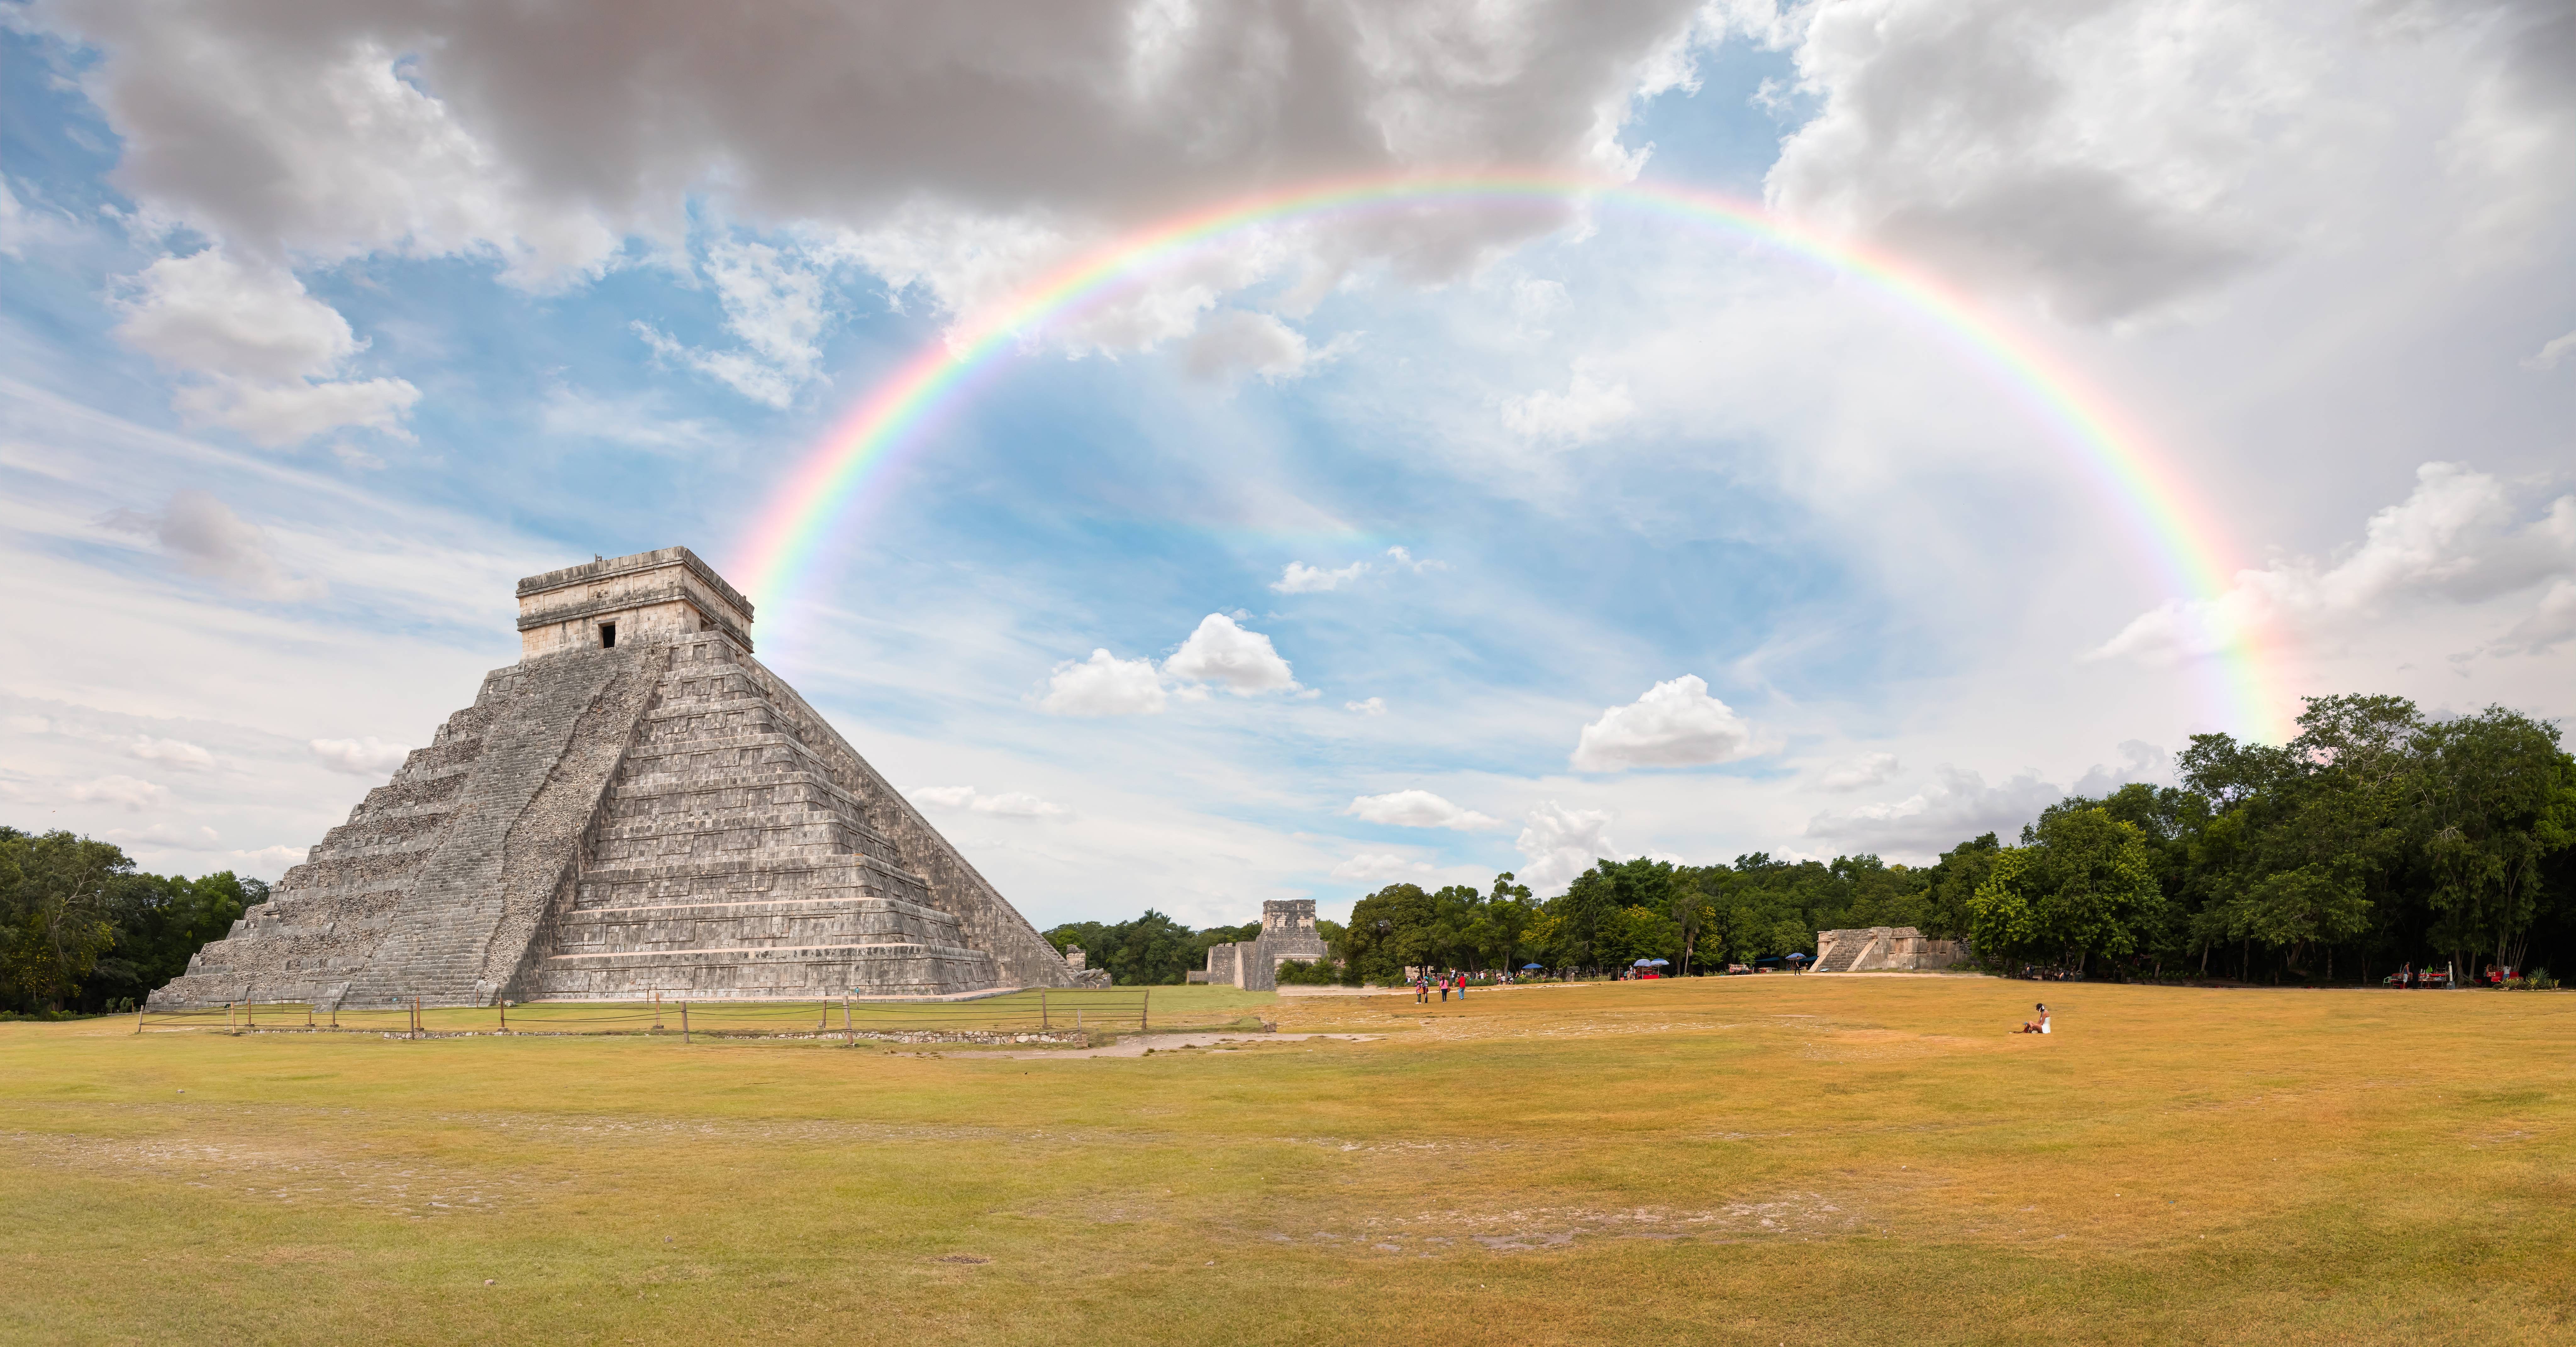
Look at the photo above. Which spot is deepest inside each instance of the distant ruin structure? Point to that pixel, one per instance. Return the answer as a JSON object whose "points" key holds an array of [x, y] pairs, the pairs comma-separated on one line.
{"points": [[1287, 932], [635, 807], [1883, 949]]}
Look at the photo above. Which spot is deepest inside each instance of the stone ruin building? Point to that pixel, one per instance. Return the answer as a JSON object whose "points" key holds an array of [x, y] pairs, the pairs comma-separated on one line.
{"points": [[635, 807], [1287, 932], [1883, 948]]}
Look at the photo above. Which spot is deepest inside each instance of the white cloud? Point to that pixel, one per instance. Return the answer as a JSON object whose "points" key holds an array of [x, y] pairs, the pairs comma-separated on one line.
{"points": [[2454, 538], [2551, 352], [360, 757], [1675, 724], [270, 860], [1237, 341], [640, 422], [1558, 843], [1419, 809], [2549, 626], [199, 838], [1958, 805], [2139, 761], [1010, 804], [1374, 706], [2514, 149], [1242, 662], [774, 304], [1580, 413], [175, 752], [2096, 154], [206, 538], [264, 357], [1103, 685], [1374, 868], [1869, 769], [517, 133], [128, 793], [1300, 578]]}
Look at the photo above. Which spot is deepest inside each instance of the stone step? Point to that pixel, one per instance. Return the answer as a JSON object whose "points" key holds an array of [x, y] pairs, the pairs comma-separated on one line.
{"points": [[774, 971]]}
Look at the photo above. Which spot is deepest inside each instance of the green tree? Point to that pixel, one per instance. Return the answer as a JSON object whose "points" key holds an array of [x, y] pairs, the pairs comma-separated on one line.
{"points": [[2492, 797], [55, 917], [1152, 950], [2080, 891], [1389, 929]]}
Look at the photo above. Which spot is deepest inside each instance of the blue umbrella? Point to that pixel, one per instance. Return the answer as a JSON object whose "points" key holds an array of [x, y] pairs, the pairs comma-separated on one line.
{"points": [[1528, 966]]}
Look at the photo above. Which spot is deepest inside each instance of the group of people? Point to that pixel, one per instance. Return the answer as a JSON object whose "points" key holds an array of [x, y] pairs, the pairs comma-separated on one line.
{"points": [[1451, 981], [2038, 974]]}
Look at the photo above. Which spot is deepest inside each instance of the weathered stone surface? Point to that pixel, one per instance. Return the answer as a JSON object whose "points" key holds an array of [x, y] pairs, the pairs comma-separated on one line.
{"points": [[1881, 948], [661, 814], [1287, 932]]}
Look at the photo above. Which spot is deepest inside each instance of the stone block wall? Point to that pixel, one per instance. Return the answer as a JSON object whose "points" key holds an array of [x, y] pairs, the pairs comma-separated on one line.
{"points": [[664, 815], [1884, 948]]}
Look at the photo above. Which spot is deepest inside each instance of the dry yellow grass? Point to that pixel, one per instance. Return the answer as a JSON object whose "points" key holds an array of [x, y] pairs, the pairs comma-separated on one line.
{"points": [[1758, 1160]]}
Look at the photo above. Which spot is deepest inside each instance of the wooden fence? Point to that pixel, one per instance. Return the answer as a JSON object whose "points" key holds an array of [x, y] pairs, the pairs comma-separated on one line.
{"points": [[1011, 1014]]}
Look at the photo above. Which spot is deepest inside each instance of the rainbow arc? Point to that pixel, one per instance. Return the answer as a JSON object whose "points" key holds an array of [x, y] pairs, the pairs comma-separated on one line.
{"points": [[892, 420]]}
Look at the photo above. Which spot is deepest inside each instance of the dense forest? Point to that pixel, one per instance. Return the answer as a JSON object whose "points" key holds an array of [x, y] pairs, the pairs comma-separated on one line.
{"points": [[82, 930], [2376, 837]]}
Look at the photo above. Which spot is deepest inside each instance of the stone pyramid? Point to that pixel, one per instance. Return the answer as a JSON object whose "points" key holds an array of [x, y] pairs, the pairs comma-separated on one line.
{"points": [[636, 806]]}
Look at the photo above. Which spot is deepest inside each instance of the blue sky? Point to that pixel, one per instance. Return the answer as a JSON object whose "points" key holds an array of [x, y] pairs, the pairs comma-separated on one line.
{"points": [[1616, 538]]}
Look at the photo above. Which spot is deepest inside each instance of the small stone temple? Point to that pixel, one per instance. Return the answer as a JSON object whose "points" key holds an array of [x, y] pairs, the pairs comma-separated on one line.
{"points": [[635, 807], [1884, 948], [1287, 932]]}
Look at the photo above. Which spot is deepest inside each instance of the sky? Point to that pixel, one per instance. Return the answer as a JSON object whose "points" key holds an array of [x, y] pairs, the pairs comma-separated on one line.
{"points": [[1347, 549]]}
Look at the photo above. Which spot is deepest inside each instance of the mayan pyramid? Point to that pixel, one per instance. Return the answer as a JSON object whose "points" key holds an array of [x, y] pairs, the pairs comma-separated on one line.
{"points": [[635, 807]]}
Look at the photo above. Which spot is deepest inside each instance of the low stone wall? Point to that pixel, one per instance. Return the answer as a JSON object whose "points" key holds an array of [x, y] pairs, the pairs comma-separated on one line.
{"points": [[1879, 949]]}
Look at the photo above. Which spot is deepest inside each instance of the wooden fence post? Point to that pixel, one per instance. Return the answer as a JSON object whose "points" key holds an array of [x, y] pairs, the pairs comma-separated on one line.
{"points": [[1145, 1012], [849, 1031], [505, 1015], [228, 1017], [1043, 1025], [138, 1018], [684, 1022]]}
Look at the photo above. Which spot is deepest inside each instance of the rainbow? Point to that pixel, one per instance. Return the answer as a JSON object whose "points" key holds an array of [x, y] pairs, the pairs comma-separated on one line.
{"points": [[838, 474]]}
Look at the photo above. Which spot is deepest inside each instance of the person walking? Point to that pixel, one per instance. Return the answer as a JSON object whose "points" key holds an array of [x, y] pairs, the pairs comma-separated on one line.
{"points": [[1462, 986]]}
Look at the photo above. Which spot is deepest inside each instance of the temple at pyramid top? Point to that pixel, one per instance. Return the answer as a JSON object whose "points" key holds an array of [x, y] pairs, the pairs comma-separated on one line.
{"points": [[635, 808], [650, 596]]}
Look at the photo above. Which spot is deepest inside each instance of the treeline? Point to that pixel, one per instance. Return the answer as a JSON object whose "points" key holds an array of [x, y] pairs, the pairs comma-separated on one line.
{"points": [[2376, 837], [81, 930], [1153, 950]]}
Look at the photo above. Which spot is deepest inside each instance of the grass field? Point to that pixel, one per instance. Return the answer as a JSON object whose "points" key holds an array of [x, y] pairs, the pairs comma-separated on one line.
{"points": [[1757, 1160]]}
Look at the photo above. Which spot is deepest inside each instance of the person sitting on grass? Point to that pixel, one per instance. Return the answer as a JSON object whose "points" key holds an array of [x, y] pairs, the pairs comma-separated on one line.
{"points": [[2037, 1026]]}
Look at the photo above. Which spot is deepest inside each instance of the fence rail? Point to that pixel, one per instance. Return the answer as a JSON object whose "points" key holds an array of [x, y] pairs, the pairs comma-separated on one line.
{"points": [[1047, 1013]]}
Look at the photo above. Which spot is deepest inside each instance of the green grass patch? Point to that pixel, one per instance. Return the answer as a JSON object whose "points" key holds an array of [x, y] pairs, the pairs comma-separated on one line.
{"points": [[1755, 1160]]}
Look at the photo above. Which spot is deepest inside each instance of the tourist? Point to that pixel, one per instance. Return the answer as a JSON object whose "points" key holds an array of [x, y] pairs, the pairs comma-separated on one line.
{"points": [[1462, 986], [2037, 1026]]}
